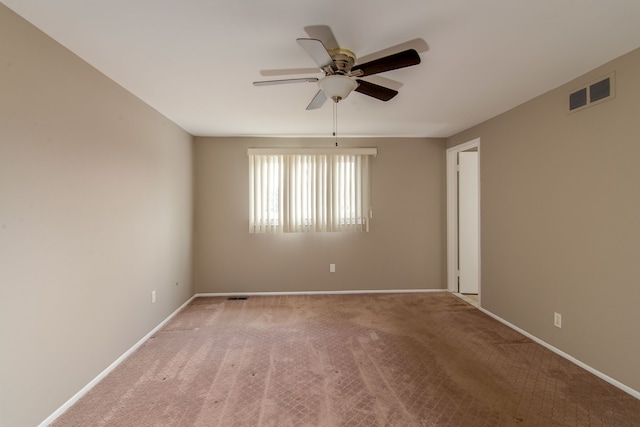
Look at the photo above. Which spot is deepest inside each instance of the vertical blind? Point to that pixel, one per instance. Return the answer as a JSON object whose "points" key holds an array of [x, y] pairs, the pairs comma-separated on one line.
{"points": [[296, 190]]}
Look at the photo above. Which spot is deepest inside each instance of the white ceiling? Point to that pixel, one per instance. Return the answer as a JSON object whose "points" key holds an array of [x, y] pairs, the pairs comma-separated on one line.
{"points": [[195, 60]]}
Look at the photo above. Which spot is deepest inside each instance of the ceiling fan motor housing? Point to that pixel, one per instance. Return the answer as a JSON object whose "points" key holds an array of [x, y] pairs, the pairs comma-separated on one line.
{"points": [[344, 60]]}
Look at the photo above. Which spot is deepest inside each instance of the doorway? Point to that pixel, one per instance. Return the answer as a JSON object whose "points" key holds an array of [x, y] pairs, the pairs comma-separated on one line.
{"points": [[463, 221]]}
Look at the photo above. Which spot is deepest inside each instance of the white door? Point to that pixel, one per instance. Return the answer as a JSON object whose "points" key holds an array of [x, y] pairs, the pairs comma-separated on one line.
{"points": [[468, 222]]}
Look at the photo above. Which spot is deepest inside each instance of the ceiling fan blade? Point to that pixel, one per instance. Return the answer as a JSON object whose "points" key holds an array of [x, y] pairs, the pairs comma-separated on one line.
{"points": [[419, 45], [324, 34], [376, 91], [286, 81], [317, 101], [383, 81], [402, 59], [316, 49]]}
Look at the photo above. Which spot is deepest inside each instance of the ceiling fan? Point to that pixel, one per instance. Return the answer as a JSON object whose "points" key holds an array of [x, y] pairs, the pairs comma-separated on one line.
{"points": [[342, 73]]}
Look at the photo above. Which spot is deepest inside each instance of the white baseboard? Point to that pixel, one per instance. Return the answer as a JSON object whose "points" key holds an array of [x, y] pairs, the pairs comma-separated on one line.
{"points": [[616, 383], [466, 299], [241, 294], [109, 369]]}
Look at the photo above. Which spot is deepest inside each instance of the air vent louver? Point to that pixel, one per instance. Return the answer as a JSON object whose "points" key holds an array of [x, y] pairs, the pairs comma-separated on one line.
{"points": [[600, 90], [596, 91], [578, 99]]}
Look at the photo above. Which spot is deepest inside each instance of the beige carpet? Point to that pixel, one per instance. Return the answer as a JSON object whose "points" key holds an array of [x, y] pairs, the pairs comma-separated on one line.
{"points": [[346, 360]]}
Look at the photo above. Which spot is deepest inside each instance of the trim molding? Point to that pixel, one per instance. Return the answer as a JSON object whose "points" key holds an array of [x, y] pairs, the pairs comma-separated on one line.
{"points": [[390, 291], [466, 299], [616, 383], [373, 151], [51, 418], [452, 214]]}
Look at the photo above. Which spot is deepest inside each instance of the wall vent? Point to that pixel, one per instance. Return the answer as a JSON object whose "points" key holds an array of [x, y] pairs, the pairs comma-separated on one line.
{"points": [[594, 92], [600, 90], [578, 99]]}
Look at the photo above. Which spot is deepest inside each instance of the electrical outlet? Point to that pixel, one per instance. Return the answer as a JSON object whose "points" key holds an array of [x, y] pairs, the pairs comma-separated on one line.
{"points": [[153, 297], [332, 268], [557, 320]]}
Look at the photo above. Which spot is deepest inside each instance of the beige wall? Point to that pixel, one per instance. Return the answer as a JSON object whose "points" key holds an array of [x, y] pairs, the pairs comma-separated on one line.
{"points": [[95, 213], [560, 210], [404, 249]]}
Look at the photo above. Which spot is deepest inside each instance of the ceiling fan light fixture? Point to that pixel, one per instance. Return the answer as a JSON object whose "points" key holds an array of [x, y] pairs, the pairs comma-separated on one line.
{"points": [[337, 86]]}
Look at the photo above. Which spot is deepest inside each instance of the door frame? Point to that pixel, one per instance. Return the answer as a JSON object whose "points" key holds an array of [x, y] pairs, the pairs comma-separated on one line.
{"points": [[452, 215]]}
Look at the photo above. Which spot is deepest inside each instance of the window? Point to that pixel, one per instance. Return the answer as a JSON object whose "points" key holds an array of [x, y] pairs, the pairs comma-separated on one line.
{"points": [[298, 190]]}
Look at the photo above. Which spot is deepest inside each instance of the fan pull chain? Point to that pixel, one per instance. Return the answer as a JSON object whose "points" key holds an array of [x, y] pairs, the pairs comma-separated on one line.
{"points": [[335, 121]]}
